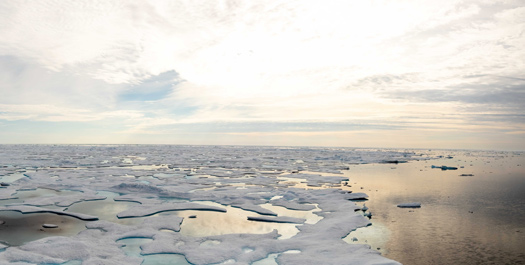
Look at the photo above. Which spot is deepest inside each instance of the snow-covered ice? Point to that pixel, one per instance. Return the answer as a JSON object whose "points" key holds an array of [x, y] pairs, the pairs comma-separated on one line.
{"points": [[166, 187]]}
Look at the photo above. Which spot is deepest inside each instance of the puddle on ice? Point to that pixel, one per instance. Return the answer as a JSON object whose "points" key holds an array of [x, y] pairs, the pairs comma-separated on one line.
{"points": [[376, 236], [17, 228], [106, 209], [234, 221]]}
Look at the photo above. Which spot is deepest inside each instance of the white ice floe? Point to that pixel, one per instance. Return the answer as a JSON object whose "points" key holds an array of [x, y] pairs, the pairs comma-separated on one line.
{"points": [[185, 179]]}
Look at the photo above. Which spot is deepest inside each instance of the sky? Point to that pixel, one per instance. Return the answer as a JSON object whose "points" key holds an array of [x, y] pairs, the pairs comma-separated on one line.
{"points": [[392, 74]]}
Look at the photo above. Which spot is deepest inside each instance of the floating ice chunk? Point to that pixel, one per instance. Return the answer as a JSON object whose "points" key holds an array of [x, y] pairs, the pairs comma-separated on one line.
{"points": [[445, 167], [50, 226], [466, 175], [32, 209], [147, 210], [368, 214], [278, 219], [409, 205], [364, 209]]}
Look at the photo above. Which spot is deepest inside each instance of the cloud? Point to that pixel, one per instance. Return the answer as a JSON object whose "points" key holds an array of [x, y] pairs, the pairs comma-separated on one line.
{"points": [[156, 65], [52, 113]]}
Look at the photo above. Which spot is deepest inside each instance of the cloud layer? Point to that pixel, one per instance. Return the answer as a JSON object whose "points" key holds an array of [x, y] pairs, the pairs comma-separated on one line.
{"points": [[452, 68]]}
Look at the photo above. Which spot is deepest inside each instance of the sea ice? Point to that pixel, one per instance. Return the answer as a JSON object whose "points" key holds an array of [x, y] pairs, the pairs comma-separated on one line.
{"points": [[188, 178]]}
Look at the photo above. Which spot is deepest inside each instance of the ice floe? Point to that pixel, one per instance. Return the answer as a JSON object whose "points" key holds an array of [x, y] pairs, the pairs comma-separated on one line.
{"points": [[290, 199]]}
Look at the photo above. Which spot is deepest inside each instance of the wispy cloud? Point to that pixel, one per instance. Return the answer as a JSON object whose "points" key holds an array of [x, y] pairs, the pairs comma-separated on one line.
{"points": [[169, 66]]}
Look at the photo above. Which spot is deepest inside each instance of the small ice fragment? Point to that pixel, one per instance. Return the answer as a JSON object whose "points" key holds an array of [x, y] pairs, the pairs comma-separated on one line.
{"points": [[466, 175], [364, 208], [192, 216], [354, 239], [409, 205], [445, 167], [368, 214], [49, 226]]}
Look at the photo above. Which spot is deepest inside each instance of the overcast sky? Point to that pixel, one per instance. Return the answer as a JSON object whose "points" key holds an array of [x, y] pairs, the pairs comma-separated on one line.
{"points": [[424, 74]]}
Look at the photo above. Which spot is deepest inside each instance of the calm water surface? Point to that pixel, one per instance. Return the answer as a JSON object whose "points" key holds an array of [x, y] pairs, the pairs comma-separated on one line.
{"points": [[477, 219]]}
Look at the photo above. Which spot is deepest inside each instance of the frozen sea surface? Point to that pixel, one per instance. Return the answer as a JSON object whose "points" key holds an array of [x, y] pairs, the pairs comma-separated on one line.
{"points": [[80, 204], [191, 204]]}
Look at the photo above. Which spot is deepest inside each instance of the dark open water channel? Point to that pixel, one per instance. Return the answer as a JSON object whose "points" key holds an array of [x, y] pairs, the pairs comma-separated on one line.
{"points": [[477, 219]]}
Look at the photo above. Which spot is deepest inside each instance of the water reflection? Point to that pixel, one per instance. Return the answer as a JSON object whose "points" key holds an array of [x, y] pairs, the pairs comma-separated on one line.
{"points": [[17, 228], [107, 209], [234, 221], [472, 219]]}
